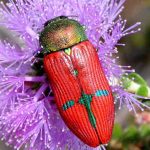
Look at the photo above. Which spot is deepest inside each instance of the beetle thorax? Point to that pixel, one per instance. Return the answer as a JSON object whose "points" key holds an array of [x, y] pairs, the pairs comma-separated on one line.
{"points": [[61, 34]]}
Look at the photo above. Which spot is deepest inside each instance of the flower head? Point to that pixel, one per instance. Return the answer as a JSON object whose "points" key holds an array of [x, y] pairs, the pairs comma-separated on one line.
{"points": [[28, 116]]}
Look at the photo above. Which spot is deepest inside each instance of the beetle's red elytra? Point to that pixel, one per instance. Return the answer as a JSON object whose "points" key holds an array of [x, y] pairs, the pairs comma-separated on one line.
{"points": [[82, 93]]}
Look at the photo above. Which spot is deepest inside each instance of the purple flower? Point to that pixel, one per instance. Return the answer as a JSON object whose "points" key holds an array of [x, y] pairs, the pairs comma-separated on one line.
{"points": [[28, 115]]}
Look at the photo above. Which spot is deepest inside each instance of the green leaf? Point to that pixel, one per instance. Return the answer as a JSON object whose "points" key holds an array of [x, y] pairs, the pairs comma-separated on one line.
{"points": [[145, 130], [146, 102], [142, 91], [126, 82], [117, 131], [137, 78], [131, 135]]}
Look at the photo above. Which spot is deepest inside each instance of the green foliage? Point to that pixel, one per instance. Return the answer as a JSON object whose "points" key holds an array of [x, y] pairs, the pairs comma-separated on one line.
{"points": [[146, 102], [143, 91], [117, 131], [137, 79], [134, 83], [132, 138], [130, 135], [145, 131], [126, 82]]}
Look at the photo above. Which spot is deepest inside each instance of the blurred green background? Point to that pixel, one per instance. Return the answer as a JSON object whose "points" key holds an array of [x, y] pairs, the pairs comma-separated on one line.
{"points": [[131, 132]]}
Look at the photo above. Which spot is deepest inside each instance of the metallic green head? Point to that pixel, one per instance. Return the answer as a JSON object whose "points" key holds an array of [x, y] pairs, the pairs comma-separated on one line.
{"points": [[61, 33]]}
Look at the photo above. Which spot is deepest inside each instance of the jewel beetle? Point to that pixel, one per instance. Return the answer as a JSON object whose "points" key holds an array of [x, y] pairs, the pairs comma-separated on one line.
{"points": [[81, 90]]}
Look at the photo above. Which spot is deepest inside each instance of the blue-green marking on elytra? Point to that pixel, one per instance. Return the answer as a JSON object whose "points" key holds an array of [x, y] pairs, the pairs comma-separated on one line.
{"points": [[101, 93], [68, 104], [75, 72], [86, 100]]}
